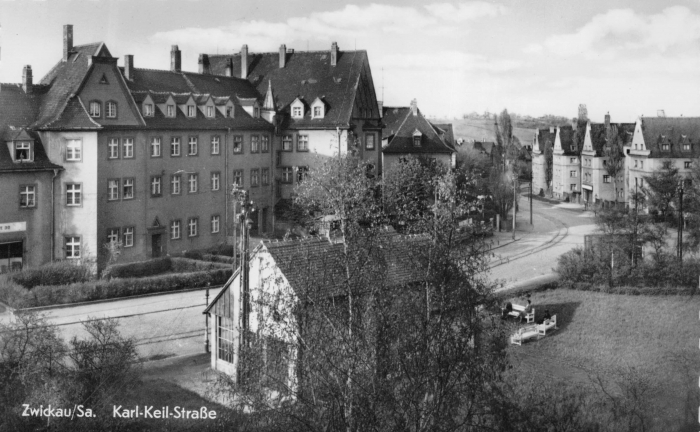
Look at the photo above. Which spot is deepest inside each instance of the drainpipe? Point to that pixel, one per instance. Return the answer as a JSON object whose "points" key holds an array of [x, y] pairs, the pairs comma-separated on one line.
{"points": [[225, 146], [53, 216]]}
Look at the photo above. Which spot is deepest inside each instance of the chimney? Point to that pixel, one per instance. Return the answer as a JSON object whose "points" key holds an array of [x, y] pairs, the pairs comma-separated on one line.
{"points": [[380, 105], [27, 83], [175, 59], [334, 53], [129, 67], [229, 67], [204, 64], [414, 107], [283, 55], [244, 61], [67, 41]]}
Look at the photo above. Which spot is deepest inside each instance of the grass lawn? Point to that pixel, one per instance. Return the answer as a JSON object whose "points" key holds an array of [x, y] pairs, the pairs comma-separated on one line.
{"points": [[604, 333]]}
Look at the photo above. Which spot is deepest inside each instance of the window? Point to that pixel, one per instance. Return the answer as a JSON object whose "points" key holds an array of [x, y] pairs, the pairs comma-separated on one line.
{"points": [[215, 223], [95, 108], [641, 164], [636, 163], [686, 147], [606, 179], [605, 162], [175, 146], [148, 110], [318, 112], [572, 160], [175, 183], [297, 112], [238, 177], [287, 143], [74, 150], [113, 235], [155, 147], [256, 112], [287, 173], [128, 148], [573, 147], [302, 143], [369, 141], [254, 177], [210, 111], [175, 229], [128, 188], [302, 173], [113, 189], [23, 151], [111, 109], [215, 145], [192, 146], [265, 143], [229, 111], [27, 196], [192, 227], [113, 148], [265, 176], [215, 183], [73, 194], [254, 143], [665, 147], [170, 110], [156, 183], [72, 247], [192, 183], [573, 174], [238, 144], [191, 111], [416, 140], [128, 237], [687, 164], [573, 187], [225, 339]]}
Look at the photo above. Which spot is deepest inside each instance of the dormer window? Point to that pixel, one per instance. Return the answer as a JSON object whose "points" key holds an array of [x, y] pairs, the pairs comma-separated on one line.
{"points": [[417, 138], [256, 112], [170, 110], [210, 111], [191, 110], [23, 152], [318, 112], [229, 111], [148, 110], [686, 147], [297, 112], [665, 147]]}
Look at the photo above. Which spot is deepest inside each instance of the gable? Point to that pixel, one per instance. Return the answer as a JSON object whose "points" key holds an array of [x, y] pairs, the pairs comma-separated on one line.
{"points": [[104, 84]]}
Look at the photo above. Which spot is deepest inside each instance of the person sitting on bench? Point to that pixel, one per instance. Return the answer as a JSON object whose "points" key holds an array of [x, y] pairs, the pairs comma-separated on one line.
{"points": [[547, 316], [526, 311]]}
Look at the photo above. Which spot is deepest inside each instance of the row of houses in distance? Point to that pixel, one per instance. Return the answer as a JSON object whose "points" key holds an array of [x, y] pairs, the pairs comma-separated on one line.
{"points": [[96, 153]]}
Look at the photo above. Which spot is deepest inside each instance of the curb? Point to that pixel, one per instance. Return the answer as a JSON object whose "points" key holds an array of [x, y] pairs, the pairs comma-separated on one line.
{"points": [[68, 305]]}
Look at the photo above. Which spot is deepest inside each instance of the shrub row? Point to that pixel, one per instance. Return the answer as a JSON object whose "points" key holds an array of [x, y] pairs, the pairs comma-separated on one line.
{"points": [[19, 297], [633, 290], [57, 273], [157, 266]]}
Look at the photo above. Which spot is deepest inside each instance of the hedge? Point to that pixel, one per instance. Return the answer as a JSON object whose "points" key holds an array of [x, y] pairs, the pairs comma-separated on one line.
{"points": [[58, 273], [45, 295], [158, 266]]}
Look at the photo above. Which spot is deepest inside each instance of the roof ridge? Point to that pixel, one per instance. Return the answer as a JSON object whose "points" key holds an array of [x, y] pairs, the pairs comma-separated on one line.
{"points": [[295, 52]]}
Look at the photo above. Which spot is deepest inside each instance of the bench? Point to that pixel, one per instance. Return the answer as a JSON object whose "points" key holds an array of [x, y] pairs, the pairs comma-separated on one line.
{"points": [[523, 334], [548, 325], [529, 317]]}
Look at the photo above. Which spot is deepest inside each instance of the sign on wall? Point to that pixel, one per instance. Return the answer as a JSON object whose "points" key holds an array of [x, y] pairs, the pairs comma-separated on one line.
{"points": [[12, 227]]}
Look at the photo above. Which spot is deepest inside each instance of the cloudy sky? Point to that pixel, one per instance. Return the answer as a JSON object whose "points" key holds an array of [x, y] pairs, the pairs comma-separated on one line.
{"points": [[626, 57]]}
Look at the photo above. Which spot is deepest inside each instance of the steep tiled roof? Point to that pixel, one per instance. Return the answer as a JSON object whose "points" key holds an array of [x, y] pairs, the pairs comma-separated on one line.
{"points": [[73, 116], [599, 136], [566, 137], [17, 111], [485, 146], [189, 82], [408, 124], [544, 135], [64, 80], [306, 75], [675, 131], [392, 117], [446, 128]]}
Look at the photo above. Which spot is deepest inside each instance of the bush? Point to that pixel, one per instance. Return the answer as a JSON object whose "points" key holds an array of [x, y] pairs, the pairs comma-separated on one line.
{"points": [[115, 288], [184, 265], [136, 269], [57, 273]]}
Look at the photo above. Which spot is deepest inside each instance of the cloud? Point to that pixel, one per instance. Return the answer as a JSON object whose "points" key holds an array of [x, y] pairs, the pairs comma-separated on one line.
{"points": [[447, 61], [617, 30], [533, 49], [465, 11]]}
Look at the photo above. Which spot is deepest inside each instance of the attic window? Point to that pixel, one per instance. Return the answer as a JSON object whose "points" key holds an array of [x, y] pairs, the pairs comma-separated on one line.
{"points": [[686, 147], [210, 111], [297, 112], [170, 110], [256, 112], [23, 151], [229, 111], [665, 147], [191, 110], [103, 80], [416, 138], [148, 110]]}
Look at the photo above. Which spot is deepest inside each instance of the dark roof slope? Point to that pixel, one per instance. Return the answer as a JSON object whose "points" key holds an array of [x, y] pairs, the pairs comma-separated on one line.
{"points": [[446, 129], [402, 141], [188, 82], [566, 137], [307, 76], [674, 131], [543, 136], [599, 136], [392, 117]]}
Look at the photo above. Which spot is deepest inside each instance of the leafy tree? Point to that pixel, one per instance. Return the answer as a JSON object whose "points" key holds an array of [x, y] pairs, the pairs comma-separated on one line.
{"points": [[662, 190], [614, 157], [548, 165]]}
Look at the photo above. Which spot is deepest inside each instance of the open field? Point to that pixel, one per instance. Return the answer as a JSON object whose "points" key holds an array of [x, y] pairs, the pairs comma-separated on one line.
{"points": [[606, 334], [483, 130]]}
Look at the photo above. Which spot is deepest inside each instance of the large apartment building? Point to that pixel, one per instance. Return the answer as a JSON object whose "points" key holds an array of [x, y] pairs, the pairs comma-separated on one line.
{"points": [[101, 154]]}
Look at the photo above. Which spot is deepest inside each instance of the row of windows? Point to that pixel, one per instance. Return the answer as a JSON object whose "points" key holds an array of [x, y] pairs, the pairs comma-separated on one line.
{"points": [[95, 109], [303, 142], [192, 227], [258, 144], [191, 111]]}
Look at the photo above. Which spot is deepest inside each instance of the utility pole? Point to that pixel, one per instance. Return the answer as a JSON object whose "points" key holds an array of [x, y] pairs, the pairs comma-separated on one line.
{"points": [[680, 227], [515, 201], [636, 215], [531, 186]]}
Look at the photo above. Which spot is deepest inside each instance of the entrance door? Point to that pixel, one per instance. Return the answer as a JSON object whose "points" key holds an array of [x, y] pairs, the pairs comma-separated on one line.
{"points": [[156, 246]]}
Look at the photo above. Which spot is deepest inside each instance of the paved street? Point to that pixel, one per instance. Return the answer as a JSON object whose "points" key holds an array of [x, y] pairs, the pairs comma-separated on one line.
{"points": [[173, 325]]}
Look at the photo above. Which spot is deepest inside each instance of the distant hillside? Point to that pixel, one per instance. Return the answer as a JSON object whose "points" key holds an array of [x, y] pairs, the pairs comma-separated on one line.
{"points": [[482, 130]]}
